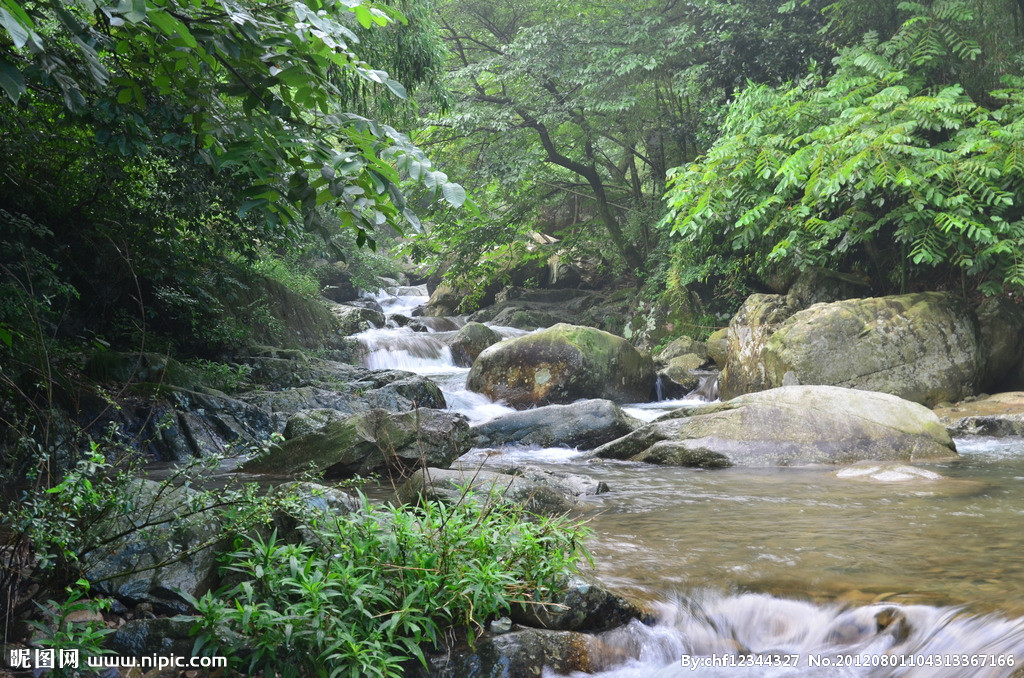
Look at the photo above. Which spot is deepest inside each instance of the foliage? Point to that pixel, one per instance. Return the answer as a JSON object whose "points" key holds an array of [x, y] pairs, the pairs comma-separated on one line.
{"points": [[876, 167], [257, 89], [372, 589], [63, 632]]}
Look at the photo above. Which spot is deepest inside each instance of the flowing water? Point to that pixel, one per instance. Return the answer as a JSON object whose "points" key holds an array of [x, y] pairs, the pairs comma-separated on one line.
{"points": [[790, 571]]}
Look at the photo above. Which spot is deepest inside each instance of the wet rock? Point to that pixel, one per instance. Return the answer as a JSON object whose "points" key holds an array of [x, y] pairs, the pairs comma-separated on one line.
{"points": [[749, 330], [171, 544], [997, 415], [920, 347], [718, 346], [681, 347], [562, 364], [354, 319], [336, 283], [584, 424], [470, 341], [523, 653], [372, 441], [540, 491], [163, 636], [579, 604], [791, 425]]}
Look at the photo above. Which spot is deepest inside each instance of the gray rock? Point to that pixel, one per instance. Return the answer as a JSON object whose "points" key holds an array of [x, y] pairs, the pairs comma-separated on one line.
{"points": [[560, 365], [540, 491], [371, 441], [998, 415], [163, 636], [921, 347], [470, 341], [579, 604], [523, 653], [171, 544], [584, 424], [354, 319], [681, 347], [791, 425], [819, 285], [749, 330]]}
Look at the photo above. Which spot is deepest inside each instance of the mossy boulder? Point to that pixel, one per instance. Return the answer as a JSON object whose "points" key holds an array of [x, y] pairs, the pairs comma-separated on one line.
{"points": [[470, 341], [922, 347], [749, 330], [562, 364], [718, 346], [356, 319], [792, 425], [369, 442], [675, 311]]}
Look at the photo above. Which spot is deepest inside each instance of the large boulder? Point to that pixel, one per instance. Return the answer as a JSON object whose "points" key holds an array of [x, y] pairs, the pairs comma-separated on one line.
{"points": [[922, 347], [369, 442], [792, 425], [540, 491], [170, 542], [760, 316], [562, 364], [584, 424], [470, 341]]}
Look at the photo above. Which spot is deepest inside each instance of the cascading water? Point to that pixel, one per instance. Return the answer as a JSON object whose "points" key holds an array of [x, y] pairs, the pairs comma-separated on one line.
{"points": [[749, 566]]}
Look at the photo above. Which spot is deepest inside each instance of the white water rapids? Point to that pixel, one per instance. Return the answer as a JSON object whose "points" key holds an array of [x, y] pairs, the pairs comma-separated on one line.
{"points": [[782, 571]]}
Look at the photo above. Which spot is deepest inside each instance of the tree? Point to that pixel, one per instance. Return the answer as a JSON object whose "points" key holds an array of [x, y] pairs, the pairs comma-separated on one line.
{"points": [[885, 166], [265, 91]]}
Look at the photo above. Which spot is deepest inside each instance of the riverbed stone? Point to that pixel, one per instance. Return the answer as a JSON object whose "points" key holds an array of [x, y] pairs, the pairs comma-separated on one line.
{"points": [[470, 341], [997, 415], [370, 442], [521, 653], [584, 424], [718, 346], [579, 603], [790, 425], [541, 491], [562, 364], [170, 543], [921, 347], [355, 319], [817, 285], [757, 319]]}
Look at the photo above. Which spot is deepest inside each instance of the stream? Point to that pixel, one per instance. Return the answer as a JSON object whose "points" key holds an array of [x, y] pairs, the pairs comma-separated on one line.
{"points": [[783, 571]]}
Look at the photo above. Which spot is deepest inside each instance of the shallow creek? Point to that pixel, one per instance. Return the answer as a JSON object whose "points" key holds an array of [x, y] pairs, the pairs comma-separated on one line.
{"points": [[794, 561]]}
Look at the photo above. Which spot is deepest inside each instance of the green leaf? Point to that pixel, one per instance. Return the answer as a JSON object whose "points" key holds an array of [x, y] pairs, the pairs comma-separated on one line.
{"points": [[364, 17], [170, 26], [11, 80], [454, 194], [18, 32]]}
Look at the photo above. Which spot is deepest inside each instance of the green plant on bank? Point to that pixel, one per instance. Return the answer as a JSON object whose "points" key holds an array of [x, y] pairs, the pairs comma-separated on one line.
{"points": [[370, 591], [65, 628], [887, 167], [226, 377]]}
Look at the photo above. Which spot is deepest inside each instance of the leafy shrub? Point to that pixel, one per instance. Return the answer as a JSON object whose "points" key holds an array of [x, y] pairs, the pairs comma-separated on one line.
{"points": [[372, 589]]}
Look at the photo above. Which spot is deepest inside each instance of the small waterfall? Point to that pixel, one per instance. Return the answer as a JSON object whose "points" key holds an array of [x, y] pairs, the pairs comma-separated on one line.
{"points": [[708, 388], [724, 635]]}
